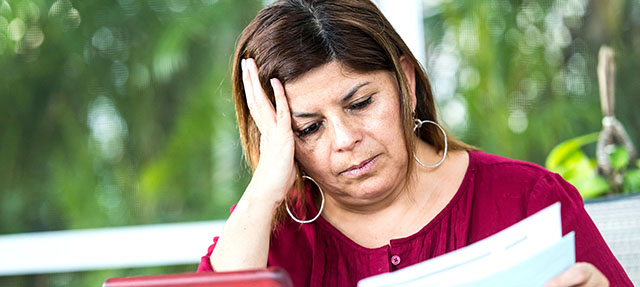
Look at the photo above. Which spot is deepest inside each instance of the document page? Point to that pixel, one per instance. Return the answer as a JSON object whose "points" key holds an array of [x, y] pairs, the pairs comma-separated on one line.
{"points": [[530, 249]]}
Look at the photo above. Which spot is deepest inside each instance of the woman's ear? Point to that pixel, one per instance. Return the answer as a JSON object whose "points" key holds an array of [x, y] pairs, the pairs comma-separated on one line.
{"points": [[410, 74]]}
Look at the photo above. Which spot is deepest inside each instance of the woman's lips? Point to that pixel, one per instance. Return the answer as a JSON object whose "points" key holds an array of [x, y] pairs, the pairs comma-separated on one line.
{"points": [[360, 169]]}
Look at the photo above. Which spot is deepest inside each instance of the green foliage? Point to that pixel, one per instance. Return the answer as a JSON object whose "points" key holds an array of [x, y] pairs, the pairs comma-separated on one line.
{"points": [[515, 78], [569, 160], [116, 113], [632, 180], [619, 158]]}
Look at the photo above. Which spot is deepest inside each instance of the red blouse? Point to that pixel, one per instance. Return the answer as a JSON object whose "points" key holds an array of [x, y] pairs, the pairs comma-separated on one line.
{"points": [[495, 193]]}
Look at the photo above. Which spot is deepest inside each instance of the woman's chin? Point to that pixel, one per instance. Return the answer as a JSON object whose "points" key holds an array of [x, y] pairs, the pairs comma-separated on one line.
{"points": [[369, 192]]}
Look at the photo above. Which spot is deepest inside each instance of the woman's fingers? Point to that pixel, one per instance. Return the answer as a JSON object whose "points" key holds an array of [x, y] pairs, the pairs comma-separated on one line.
{"points": [[282, 106], [580, 274], [248, 92], [260, 107]]}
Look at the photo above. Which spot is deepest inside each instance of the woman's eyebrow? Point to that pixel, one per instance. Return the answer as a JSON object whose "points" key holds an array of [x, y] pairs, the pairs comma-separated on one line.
{"points": [[352, 92], [342, 101], [304, 115]]}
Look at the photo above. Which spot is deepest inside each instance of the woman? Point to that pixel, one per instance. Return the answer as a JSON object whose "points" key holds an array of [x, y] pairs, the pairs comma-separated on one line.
{"points": [[352, 174]]}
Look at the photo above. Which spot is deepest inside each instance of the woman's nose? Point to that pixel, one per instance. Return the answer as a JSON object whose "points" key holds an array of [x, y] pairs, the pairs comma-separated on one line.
{"points": [[346, 135]]}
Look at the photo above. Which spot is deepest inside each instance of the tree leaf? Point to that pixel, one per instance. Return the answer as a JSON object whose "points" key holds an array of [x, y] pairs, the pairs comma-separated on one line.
{"points": [[619, 158]]}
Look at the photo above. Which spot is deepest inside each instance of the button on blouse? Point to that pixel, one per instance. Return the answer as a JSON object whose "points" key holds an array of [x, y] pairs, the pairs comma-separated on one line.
{"points": [[395, 260]]}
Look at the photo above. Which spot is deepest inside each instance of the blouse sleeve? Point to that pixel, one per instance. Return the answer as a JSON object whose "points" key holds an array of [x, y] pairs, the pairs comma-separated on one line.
{"points": [[590, 246], [205, 261]]}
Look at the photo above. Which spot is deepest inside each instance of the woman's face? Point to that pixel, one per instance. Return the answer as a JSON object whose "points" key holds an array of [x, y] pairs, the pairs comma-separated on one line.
{"points": [[348, 130]]}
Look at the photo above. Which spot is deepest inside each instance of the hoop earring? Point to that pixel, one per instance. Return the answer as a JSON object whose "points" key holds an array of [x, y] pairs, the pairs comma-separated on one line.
{"points": [[418, 123], [321, 205]]}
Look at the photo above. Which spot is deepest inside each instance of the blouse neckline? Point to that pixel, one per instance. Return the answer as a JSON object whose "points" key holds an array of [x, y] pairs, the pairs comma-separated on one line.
{"points": [[462, 189]]}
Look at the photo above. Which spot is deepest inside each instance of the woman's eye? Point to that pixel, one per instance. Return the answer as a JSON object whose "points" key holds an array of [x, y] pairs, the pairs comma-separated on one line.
{"points": [[308, 130], [361, 104]]}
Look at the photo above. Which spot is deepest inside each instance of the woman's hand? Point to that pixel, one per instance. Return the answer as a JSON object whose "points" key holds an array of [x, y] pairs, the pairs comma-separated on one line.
{"points": [[580, 274], [275, 172], [271, 180]]}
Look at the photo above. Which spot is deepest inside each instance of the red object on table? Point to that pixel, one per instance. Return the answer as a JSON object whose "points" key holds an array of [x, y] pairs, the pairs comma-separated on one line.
{"points": [[269, 277]]}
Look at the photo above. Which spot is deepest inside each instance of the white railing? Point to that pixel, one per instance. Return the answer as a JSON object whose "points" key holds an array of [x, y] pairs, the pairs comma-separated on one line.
{"points": [[106, 248]]}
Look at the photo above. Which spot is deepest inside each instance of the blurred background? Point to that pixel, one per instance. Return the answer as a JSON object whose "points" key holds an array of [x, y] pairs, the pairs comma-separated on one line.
{"points": [[118, 113]]}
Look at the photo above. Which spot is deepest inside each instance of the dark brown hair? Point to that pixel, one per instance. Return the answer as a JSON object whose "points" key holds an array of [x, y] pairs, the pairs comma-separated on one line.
{"points": [[290, 37]]}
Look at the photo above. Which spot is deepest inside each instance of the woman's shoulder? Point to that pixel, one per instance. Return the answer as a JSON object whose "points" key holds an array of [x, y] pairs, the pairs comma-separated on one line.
{"points": [[491, 160], [497, 166], [509, 178]]}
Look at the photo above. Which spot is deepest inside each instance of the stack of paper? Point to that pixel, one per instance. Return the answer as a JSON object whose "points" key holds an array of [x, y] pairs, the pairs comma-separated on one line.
{"points": [[528, 253]]}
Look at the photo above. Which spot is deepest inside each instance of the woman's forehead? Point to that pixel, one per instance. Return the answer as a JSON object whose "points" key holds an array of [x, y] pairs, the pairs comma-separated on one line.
{"points": [[322, 76], [330, 82]]}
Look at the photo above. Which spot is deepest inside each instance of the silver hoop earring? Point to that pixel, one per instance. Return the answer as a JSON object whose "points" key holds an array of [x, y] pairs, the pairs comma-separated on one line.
{"points": [[321, 205], [418, 123]]}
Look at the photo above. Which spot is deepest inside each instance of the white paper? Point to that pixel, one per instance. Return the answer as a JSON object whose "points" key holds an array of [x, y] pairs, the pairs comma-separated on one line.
{"points": [[515, 250]]}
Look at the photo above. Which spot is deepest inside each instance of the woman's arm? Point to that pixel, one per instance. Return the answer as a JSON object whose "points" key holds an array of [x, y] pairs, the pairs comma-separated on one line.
{"points": [[244, 243]]}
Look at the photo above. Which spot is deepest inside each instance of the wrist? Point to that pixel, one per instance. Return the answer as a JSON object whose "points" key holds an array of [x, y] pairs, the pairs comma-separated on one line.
{"points": [[261, 194]]}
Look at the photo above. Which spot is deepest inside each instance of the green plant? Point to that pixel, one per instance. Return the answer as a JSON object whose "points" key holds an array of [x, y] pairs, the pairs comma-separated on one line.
{"points": [[572, 163]]}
